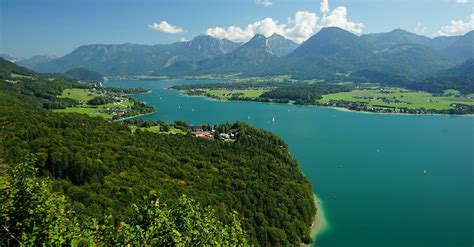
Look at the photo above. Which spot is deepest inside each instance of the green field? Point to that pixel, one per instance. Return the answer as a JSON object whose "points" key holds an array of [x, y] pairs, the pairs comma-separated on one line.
{"points": [[79, 94], [91, 111], [226, 94], [156, 129], [83, 95], [13, 75], [407, 99]]}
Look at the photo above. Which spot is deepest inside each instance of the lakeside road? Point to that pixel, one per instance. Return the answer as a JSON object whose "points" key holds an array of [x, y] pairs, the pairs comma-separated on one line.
{"points": [[320, 223]]}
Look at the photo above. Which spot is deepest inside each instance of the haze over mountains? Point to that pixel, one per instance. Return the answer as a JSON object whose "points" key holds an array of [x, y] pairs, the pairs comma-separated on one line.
{"points": [[332, 51]]}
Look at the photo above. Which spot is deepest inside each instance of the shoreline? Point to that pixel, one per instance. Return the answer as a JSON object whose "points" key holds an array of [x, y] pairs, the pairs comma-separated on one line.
{"points": [[139, 115], [320, 224], [334, 107]]}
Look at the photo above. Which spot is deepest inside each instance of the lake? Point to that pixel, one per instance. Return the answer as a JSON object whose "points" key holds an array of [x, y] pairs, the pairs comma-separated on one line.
{"points": [[368, 169]]}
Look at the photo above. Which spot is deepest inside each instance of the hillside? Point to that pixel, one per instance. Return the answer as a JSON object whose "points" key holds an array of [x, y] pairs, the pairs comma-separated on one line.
{"points": [[395, 37], [330, 54], [133, 59], [463, 47], [34, 61], [257, 51], [104, 167], [333, 53], [83, 74], [463, 70]]}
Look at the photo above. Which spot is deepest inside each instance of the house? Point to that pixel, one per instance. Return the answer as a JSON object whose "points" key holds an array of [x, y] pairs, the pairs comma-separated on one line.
{"points": [[225, 136], [196, 128], [202, 134]]}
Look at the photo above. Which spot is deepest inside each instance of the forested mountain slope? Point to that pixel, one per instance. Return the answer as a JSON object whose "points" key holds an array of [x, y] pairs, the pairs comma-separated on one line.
{"points": [[104, 167]]}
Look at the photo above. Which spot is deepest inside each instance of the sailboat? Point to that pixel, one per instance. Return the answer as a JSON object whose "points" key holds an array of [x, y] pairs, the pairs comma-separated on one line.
{"points": [[273, 119], [425, 172]]}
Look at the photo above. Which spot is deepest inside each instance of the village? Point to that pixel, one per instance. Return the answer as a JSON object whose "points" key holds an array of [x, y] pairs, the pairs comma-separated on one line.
{"points": [[109, 103], [225, 132], [209, 132]]}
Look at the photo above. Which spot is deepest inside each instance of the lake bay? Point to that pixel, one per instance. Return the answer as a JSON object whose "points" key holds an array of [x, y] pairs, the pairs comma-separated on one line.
{"points": [[368, 169]]}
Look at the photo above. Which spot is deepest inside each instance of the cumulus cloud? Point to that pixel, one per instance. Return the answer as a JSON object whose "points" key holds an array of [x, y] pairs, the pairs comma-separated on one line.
{"points": [[324, 6], [461, 1], [304, 26], [419, 29], [457, 27], [166, 27], [265, 3], [299, 28], [266, 27], [338, 18]]}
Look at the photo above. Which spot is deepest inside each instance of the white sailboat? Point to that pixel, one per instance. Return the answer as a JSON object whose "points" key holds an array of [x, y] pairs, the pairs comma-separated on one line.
{"points": [[273, 119]]}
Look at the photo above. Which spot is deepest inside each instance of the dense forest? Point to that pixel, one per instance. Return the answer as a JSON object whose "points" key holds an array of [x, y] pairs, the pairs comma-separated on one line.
{"points": [[304, 94], [33, 215], [102, 168], [281, 92], [83, 74]]}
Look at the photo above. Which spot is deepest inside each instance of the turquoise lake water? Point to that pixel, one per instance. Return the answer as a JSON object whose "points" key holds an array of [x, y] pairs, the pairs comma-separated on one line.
{"points": [[366, 168]]}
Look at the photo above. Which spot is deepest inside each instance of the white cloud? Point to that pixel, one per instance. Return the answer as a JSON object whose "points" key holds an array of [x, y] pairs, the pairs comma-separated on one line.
{"points": [[166, 27], [266, 27], [304, 26], [183, 39], [265, 3], [324, 6], [298, 28], [457, 27], [419, 29], [461, 1], [338, 18]]}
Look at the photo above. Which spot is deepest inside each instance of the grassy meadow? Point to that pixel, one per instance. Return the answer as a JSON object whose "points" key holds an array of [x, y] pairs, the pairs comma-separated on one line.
{"points": [[84, 95], [227, 93], [400, 98]]}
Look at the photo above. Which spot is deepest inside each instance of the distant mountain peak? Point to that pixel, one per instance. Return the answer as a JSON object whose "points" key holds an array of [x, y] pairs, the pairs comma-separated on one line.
{"points": [[399, 30], [258, 36], [333, 29], [210, 46], [276, 35], [276, 44]]}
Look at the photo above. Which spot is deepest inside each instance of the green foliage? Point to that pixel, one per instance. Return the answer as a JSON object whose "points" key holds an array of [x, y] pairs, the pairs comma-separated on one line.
{"points": [[103, 167], [84, 74], [32, 215], [185, 224], [304, 94], [100, 100]]}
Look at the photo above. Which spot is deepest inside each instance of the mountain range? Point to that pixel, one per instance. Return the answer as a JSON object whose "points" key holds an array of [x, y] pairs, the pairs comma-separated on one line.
{"points": [[330, 52]]}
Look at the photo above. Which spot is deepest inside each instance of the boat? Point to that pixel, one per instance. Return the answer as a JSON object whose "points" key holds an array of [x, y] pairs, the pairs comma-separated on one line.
{"points": [[273, 119], [425, 172]]}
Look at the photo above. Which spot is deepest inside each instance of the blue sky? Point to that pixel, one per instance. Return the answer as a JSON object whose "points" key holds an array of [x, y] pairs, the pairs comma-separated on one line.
{"points": [[31, 27]]}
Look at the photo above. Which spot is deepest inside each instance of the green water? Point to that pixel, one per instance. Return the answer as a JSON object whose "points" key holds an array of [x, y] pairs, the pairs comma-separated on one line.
{"points": [[366, 168]]}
